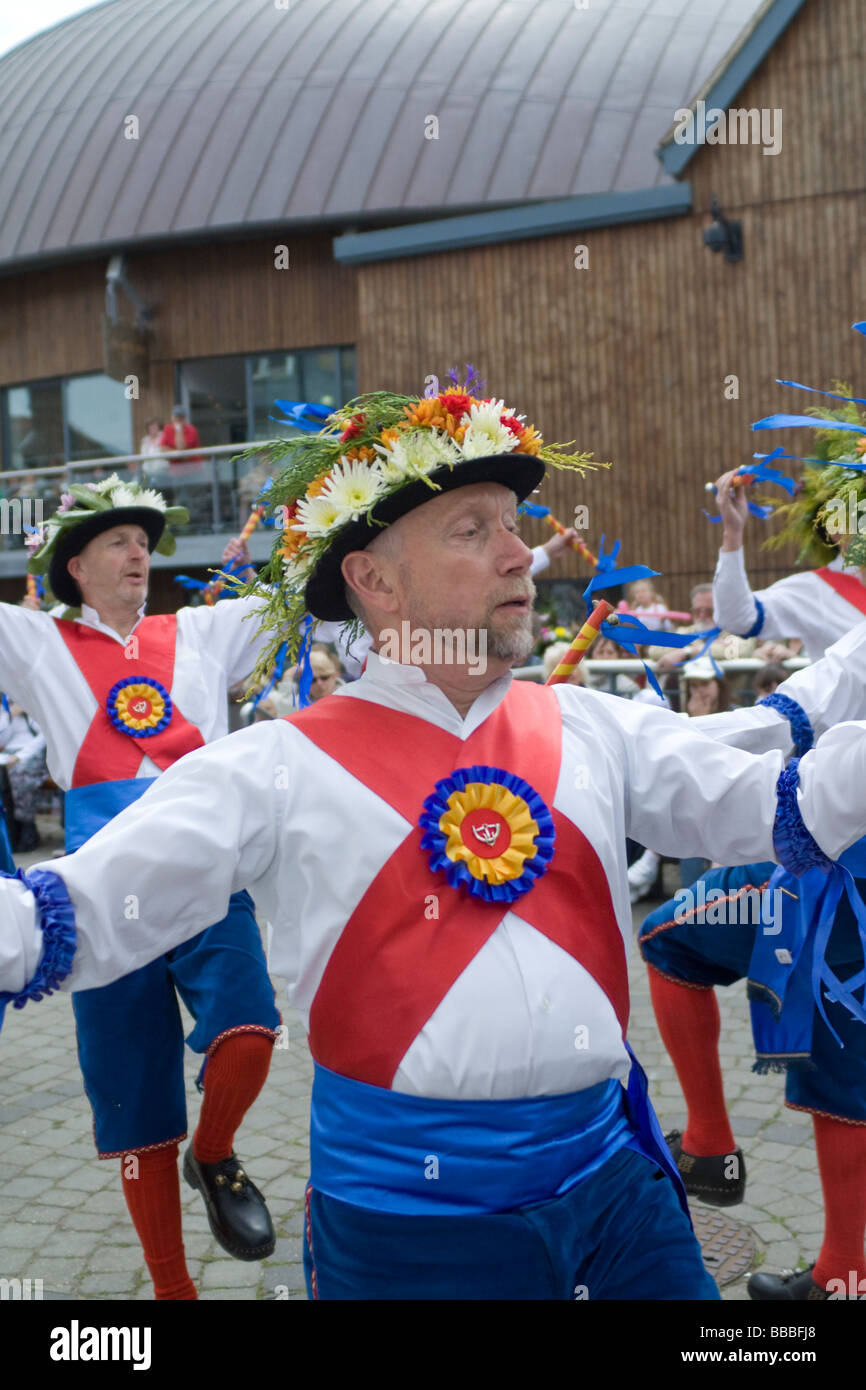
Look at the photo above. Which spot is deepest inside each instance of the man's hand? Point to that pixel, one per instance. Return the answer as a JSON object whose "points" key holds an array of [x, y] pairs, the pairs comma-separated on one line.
{"points": [[734, 510], [235, 550], [31, 601], [561, 541], [670, 658]]}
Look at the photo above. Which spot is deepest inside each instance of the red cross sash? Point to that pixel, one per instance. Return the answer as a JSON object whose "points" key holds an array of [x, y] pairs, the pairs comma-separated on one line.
{"points": [[393, 963], [106, 754], [847, 586]]}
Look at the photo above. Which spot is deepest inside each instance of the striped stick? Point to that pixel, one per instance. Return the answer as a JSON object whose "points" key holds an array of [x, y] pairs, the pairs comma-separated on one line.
{"points": [[32, 591], [583, 641], [576, 544], [213, 590]]}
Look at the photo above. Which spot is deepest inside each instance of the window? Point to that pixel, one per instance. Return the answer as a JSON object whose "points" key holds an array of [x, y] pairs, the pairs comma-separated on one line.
{"points": [[46, 423], [232, 399]]}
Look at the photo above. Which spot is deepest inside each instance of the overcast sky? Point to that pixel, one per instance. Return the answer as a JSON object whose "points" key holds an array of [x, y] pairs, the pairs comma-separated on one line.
{"points": [[20, 22]]}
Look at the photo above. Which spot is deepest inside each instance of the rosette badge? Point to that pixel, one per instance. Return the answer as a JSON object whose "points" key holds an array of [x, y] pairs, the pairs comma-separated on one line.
{"points": [[489, 831], [139, 706]]}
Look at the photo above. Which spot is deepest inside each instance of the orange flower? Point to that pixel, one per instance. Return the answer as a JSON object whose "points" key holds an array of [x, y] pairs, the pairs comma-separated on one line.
{"points": [[430, 413], [365, 454], [317, 485], [531, 441]]}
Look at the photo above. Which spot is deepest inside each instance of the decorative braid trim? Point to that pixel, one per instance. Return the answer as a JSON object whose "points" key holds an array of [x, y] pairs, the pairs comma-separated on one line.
{"points": [[59, 938], [796, 848], [801, 729], [308, 1231], [241, 1028], [146, 1148], [828, 1114], [759, 621], [717, 902], [675, 979]]}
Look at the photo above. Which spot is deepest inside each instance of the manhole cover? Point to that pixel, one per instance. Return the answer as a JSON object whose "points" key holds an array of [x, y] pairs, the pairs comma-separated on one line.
{"points": [[728, 1246]]}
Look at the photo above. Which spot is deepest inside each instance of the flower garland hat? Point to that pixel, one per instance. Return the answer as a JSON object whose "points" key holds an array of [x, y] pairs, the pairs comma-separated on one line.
{"points": [[87, 510], [362, 467], [833, 484]]}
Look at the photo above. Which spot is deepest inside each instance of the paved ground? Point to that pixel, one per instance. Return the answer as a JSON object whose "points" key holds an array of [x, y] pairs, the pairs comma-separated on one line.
{"points": [[63, 1219]]}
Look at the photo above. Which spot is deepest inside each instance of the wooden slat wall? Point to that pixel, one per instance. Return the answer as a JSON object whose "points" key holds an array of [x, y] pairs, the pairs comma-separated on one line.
{"points": [[210, 300]]}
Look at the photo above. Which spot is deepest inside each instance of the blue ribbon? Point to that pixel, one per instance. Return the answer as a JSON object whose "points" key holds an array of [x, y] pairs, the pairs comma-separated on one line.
{"points": [[302, 415], [609, 576], [778, 422]]}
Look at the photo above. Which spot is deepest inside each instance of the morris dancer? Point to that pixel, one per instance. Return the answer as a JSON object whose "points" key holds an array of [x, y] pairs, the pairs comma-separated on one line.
{"points": [[120, 697], [456, 928], [687, 958]]}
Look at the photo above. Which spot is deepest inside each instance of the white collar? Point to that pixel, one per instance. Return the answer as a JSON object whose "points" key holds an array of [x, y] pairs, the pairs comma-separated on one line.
{"points": [[91, 618], [405, 686]]}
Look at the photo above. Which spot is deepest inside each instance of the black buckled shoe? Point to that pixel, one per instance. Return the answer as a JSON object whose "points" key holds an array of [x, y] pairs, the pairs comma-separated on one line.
{"points": [[709, 1178], [236, 1209], [788, 1287]]}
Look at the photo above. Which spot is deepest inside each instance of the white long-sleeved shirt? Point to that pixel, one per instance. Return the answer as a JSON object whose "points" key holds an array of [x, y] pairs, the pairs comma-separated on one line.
{"points": [[216, 647], [268, 810], [21, 736], [800, 605]]}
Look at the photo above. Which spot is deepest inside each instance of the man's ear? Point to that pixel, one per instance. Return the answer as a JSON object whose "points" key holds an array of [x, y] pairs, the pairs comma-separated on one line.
{"points": [[371, 579], [74, 568]]}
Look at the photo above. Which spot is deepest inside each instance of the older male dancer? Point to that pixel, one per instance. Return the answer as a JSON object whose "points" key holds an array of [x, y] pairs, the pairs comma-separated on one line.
{"points": [[120, 697]]}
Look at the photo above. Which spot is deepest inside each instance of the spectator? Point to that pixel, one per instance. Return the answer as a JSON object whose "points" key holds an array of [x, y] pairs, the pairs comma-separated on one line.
{"points": [[552, 657], [181, 435], [768, 678], [644, 600], [726, 647], [615, 683], [23, 745], [151, 441]]}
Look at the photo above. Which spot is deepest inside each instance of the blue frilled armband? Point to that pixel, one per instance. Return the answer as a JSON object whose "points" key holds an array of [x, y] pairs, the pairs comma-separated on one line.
{"points": [[757, 625], [801, 729], [59, 939], [796, 848]]}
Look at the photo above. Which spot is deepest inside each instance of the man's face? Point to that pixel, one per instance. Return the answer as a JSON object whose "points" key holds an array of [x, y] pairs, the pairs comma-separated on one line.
{"points": [[461, 565], [113, 567], [325, 675], [702, 608], [703, 697]]}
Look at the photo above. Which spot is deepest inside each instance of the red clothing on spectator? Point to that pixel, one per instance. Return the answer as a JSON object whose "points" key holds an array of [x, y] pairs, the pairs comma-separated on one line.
{"points": [[169, 440]]}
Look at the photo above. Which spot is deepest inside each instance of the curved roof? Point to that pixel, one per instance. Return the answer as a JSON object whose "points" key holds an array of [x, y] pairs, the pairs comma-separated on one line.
{"points": [[253, 114]]}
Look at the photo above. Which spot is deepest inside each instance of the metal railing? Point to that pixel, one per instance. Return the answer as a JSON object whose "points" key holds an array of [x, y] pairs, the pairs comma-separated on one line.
{"points": [[213, 482]]}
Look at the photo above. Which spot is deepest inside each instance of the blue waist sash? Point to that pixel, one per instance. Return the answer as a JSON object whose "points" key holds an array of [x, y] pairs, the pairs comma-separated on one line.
{"points": [[88, 809], [415, 1155]]}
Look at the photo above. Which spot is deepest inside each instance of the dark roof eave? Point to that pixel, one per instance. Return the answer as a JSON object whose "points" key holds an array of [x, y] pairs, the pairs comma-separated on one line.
{"points": [[744, 58], [513, 224], [229, 232]]}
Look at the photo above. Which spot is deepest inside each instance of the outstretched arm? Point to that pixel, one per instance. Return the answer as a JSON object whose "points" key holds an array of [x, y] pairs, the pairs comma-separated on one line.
{"points": [[162, 870]]}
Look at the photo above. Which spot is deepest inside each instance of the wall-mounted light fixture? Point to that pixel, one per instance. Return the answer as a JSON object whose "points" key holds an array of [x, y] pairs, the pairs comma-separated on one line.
{"points": [[723, 234]]}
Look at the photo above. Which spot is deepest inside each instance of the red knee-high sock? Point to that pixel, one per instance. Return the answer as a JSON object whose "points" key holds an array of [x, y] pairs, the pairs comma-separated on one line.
{"points": [[234, 1075], [690, 1025], [151, 1186], [841, 1152]]}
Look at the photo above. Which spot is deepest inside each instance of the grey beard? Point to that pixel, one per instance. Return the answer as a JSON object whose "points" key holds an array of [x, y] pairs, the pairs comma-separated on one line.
{"points": [[513, 647]]}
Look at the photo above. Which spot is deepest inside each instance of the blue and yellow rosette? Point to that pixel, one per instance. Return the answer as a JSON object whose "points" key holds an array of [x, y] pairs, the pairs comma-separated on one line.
{"points": [[139, 706], [489, 831]]}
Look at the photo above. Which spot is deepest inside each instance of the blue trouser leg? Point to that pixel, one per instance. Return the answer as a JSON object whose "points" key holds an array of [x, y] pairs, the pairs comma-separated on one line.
{"points": [[130, 1036]]}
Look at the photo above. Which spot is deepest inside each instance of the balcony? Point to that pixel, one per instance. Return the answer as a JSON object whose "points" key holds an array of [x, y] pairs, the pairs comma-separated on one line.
{"points": [[215, 484]]}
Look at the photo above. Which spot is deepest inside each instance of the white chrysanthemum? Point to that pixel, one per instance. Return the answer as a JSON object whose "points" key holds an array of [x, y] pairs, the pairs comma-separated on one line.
{"points": [[317, 516], [416, 452], [149, 497], [485, 432], [296, 572], [106, 485], [352, 486], [123, 497]]}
